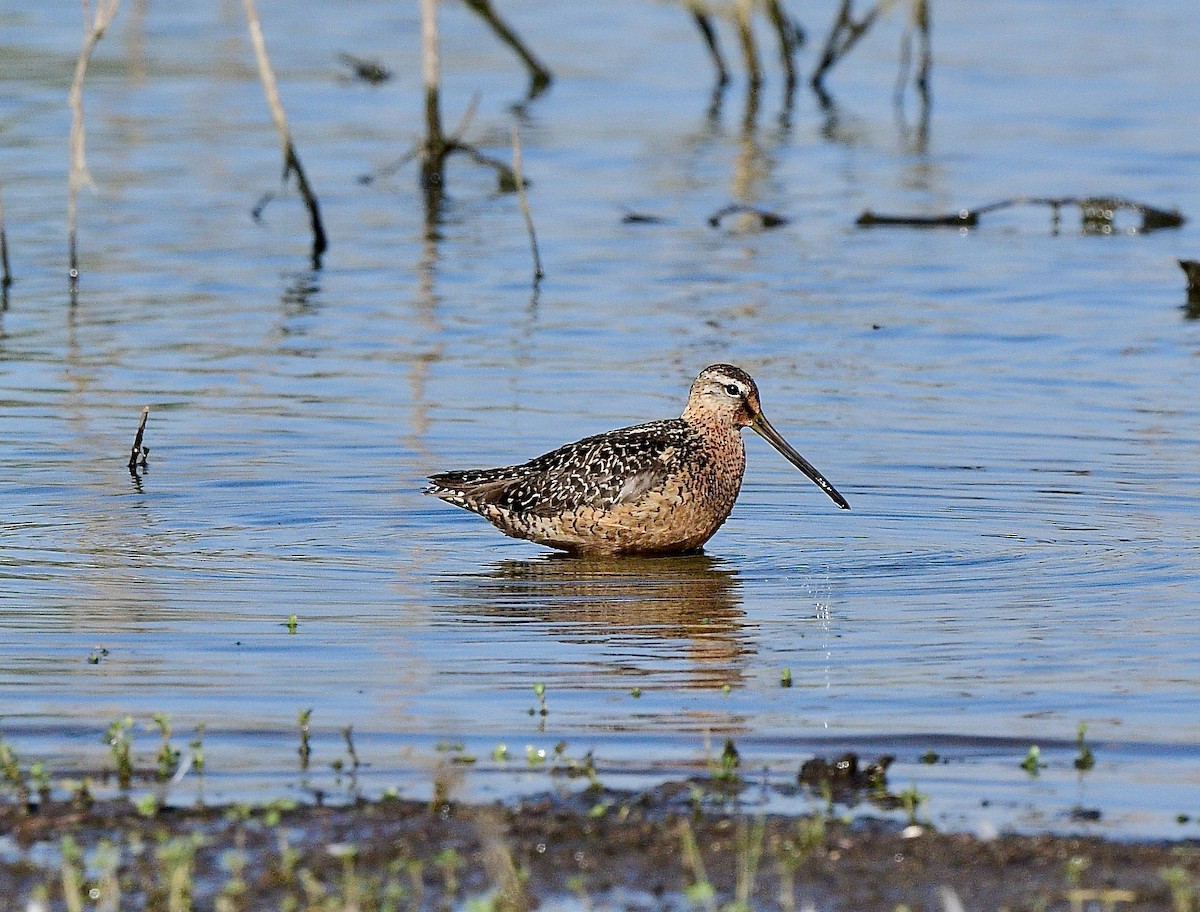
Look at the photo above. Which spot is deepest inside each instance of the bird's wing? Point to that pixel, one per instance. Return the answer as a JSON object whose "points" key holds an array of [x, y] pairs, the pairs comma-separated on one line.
{"points": [[602, 471]]}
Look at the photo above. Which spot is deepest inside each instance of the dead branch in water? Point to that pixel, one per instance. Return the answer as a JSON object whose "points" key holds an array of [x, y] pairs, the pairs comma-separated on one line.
{"points": [[433, 159], [539, 76], [524, 203], [1097, 214], [454, 139], [847, 30], [94, 27], [138, 454], [6, 278], [843, 36], [437, 147], [291, 161]]}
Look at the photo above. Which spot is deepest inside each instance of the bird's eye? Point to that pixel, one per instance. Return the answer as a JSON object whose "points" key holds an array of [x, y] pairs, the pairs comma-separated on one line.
{"points": [[732, 389]]}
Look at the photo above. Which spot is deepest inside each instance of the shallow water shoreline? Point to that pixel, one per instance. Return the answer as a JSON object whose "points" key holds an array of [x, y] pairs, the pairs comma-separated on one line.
{"points": [[594, 849]]}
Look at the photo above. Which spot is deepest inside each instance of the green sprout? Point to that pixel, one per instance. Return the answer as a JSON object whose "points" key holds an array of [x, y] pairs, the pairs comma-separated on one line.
{"points": [[120, 744], [1085, 759], [1033, 760], [167, 757], [911, 800]]}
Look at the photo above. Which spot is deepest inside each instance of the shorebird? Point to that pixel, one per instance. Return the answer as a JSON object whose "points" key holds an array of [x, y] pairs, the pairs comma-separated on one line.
{"points": [[658, 488]]}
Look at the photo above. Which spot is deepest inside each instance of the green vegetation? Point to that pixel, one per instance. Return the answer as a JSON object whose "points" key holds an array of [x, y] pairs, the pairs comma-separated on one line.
{"points": [[1032, 763], [539, 690], [911, 800], [167, 758], [120, 744]]}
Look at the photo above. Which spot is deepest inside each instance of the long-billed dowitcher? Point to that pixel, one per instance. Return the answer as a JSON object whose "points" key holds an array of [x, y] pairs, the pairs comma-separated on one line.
{"points": [[658, 488]]}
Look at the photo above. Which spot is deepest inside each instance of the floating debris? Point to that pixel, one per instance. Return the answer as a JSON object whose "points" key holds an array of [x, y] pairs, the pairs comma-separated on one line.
{"points": [[845, 774], [752, 218], [369, 71], [641, 218]]}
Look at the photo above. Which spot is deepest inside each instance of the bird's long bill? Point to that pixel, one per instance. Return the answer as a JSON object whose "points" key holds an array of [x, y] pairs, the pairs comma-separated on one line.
{"points": [[761, 426]]}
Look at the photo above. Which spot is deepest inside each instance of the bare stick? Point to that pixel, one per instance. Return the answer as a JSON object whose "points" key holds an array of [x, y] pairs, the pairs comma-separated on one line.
{"points": [[788, 36], [94, 27], [6, 278], [137, 455], [291, 161], [524, 203], [539, 76]]}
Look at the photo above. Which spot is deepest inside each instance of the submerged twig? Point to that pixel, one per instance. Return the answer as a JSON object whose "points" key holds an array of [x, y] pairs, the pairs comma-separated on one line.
{"points": [[94, 27], [1096, 213], [291, 161], [524, 203], [139, 453], [539, 76], [455, 136]]}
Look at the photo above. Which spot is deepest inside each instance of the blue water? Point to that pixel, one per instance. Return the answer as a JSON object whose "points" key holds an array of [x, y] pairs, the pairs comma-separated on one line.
{"points": [[1010, 411]]}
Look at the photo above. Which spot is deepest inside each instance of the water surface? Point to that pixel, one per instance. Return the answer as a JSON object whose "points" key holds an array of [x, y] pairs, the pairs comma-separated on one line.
{"points": [[1010, 411]]}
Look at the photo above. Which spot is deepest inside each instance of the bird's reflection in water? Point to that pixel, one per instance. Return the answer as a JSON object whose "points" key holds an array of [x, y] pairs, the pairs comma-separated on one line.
{"points": [[674, 620]]}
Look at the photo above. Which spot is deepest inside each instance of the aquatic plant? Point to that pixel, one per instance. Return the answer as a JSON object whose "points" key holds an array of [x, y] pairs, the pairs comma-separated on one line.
{"points": [[1033, 760], [305, 749], [911, 800], [167, 758], [10, 769]]}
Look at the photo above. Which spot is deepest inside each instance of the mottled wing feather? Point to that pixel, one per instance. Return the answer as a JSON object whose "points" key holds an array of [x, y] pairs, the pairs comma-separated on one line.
{"points": [[602, 471]]}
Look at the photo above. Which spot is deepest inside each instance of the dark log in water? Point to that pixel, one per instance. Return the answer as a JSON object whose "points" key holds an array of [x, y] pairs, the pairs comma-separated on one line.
{"points": [[1097, 214]]}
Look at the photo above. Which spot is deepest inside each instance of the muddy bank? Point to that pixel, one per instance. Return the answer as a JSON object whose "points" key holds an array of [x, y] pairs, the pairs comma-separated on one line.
{"points": [[595, 849]]}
